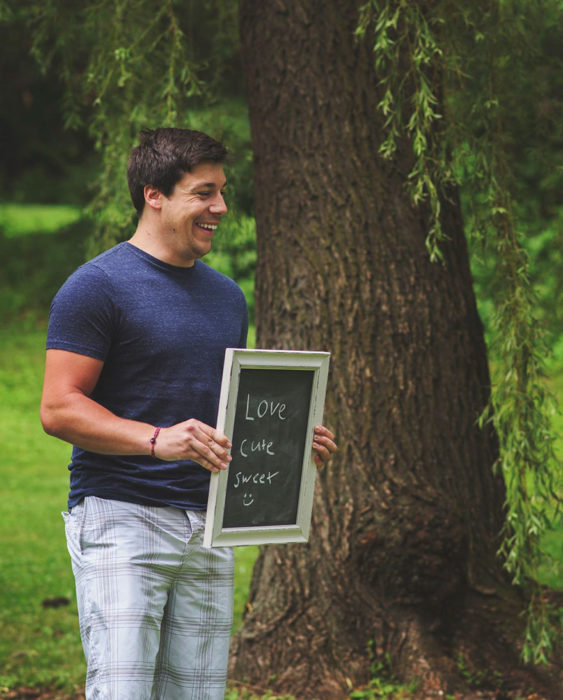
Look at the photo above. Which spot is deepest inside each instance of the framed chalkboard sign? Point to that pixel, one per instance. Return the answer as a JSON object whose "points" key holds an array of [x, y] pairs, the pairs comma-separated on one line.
{"points": [[270, 402]]}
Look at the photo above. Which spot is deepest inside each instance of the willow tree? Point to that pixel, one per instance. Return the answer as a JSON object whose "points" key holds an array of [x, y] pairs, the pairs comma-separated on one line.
{"points": [[357, 118]]}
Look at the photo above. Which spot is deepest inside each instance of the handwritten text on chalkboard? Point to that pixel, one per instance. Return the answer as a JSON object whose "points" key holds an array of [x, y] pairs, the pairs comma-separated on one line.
{"points": [[268, 442]]}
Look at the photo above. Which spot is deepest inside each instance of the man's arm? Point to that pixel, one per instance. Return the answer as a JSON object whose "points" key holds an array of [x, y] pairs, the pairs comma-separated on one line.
{"points": [[68, 412]]}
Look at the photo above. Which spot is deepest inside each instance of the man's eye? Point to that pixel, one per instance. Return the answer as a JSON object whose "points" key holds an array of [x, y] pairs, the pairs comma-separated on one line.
{"points": [[205, 194]]}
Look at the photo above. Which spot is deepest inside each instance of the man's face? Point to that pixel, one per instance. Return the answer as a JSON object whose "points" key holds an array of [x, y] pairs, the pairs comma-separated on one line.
{"points": [[190, 215]]}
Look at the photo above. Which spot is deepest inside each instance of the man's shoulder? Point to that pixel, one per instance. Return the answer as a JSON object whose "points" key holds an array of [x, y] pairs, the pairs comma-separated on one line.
{"points": [[113, 266], [217, 278], [104, 261], [96, 277], [111, 259]]}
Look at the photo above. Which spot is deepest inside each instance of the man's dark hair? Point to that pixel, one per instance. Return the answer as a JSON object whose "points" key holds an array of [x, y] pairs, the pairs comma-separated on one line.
{"points": [[164, 156]]}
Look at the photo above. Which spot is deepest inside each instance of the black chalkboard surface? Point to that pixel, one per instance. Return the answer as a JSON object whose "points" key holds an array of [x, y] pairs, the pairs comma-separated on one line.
{"points": [[269, 434], [270, 402]]}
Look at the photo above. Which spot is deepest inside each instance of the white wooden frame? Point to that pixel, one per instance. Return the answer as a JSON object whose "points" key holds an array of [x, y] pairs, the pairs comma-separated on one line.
{"points": [[216, 535]]}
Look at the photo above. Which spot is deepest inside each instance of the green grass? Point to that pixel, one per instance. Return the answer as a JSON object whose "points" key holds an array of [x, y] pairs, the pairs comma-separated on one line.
{"points": [[37, 644], [23, 219]]}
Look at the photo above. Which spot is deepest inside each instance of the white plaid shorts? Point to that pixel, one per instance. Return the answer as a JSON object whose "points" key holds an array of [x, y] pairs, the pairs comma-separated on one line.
{"points": [[155, 606]]}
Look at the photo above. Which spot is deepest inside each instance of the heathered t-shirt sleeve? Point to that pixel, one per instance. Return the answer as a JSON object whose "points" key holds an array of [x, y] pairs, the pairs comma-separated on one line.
{"points": [[81, 315]]}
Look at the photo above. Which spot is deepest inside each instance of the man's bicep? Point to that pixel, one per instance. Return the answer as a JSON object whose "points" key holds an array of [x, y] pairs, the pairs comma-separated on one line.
{"points": [[68, 372]]}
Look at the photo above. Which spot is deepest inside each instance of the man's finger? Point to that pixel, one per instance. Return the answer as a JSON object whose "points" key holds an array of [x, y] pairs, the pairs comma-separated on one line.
{"points": [[216, 436], [213, 455]]}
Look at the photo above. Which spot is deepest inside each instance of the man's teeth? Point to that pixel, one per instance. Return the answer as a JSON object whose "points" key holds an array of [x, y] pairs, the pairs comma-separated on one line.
{"points": [[209, 227]]}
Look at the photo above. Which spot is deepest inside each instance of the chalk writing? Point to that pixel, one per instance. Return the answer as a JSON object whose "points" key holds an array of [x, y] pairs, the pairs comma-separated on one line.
{"points": [[264, 408], [262, 445], [269, 437], [256, 478]]}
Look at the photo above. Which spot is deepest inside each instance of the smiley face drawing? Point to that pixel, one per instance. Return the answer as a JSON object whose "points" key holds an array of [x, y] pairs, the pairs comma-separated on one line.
{"points": [[247, 499]]}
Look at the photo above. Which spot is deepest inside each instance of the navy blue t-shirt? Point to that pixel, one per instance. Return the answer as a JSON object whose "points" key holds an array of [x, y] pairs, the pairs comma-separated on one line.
{"points": [[161, 332]]}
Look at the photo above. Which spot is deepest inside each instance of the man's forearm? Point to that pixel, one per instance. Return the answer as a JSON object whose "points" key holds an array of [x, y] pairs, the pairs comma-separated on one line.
{"points": [[85, 423]]}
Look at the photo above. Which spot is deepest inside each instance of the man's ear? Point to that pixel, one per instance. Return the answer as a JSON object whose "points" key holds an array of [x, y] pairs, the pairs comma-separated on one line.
{"points": [[153, 197]]}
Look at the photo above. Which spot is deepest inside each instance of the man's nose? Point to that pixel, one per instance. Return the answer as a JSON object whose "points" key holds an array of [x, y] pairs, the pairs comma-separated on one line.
{"points": [[218, 206]]}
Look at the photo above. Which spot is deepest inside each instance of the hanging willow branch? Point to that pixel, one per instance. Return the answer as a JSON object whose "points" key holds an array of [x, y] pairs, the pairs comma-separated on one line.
{"points": [[410, 103], [425, 53]]}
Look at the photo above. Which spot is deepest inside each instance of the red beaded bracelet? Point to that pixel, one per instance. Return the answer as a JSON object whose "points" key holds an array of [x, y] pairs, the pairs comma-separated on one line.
{"points": [[153, 440]]}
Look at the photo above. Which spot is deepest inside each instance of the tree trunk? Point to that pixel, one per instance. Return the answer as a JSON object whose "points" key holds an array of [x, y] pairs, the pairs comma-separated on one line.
{"points": [[401, 561]]}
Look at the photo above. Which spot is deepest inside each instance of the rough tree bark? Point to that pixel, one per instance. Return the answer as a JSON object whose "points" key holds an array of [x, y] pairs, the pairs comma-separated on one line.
{"points": [[405, 527]]}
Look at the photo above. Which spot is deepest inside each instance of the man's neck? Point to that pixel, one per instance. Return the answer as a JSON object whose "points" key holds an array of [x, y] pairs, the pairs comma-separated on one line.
{"points": [[148, 239]]}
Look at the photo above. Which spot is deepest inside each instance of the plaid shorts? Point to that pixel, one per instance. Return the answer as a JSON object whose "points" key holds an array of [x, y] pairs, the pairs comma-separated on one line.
{"points": [[155, 606]]}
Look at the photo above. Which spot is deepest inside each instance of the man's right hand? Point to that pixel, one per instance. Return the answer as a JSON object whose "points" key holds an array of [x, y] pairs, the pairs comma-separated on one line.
{"points": [[194, 440]]}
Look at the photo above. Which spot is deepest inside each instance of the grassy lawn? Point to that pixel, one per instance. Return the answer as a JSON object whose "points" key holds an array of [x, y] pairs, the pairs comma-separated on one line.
{"points": [[33, 565], [20, 220]]}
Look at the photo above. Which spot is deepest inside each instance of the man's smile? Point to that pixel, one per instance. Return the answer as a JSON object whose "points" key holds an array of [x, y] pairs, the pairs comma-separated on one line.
{"points": [[207, 227]]}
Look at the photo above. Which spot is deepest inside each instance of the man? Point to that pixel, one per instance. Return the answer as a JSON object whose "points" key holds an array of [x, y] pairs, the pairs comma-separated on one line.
{"points": [[135, 350]]}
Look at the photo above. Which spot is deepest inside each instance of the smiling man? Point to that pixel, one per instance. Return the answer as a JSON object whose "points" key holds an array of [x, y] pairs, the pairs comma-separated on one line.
{"points": [[135, 351]]}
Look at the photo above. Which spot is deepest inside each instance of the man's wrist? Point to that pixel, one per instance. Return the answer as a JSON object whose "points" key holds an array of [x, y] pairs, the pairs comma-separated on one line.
{"points": [[153, 441]]}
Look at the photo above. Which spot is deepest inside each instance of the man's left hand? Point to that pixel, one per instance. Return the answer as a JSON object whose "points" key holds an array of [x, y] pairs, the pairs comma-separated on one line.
{"points": [[324, 445]]}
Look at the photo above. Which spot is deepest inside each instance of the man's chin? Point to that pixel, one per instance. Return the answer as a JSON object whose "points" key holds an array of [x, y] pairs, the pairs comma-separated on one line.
{"points": [[201, 252]]}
